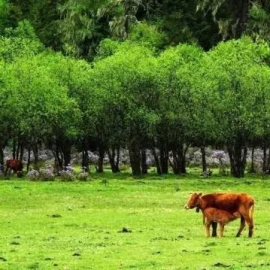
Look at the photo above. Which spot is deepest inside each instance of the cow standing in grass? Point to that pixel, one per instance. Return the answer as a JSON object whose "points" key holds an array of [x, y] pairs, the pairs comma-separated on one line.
{"points": [[230, 202], [222, 217], [14, 165]]}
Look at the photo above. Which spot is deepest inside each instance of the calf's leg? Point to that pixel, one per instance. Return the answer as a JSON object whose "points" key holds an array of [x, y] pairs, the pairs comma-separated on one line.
{"points": [[207, 229], [221, 229]]}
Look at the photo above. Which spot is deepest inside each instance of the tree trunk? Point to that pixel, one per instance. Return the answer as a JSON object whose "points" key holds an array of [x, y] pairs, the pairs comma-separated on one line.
{"points": [[20, 151], [157, 161], [242, 10], [237, 155], [114, 155], [204, 165], [35, 152], [28, 158], [66, 155], [1, 159], [101, 154], [135, 157], [85, 160], [164, 158], [143, 161], [178, 163], [264, 165], [14, 149], [58, 159], [252, 168]]}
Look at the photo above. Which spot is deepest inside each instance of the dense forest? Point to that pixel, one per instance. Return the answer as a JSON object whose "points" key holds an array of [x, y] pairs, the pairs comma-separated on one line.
{"points": [[163, 75]]}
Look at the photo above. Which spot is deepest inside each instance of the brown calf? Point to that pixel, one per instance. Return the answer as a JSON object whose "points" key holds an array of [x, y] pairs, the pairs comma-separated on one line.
{"points": [[230, 202], [222, 217]]}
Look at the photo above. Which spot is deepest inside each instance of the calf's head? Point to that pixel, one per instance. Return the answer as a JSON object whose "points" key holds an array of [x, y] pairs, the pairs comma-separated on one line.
{"points": [[193, 200]]}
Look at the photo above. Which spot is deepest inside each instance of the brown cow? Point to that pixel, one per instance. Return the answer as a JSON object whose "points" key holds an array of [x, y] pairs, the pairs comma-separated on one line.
{"points": [[14, 165], [230, 202], [222, 217]]}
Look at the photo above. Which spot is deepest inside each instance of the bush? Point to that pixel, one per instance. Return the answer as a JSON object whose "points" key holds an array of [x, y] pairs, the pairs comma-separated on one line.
{"points": [[66, 175], [33, 175], [46, 174], [83, 176]]}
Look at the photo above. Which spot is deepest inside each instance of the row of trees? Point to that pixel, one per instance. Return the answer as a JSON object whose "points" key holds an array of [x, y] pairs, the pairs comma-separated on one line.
{"points": [[77, 27], [134, 97]]}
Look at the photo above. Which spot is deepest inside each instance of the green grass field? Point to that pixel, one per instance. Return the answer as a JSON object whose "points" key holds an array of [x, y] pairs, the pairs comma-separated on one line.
{"points": [[125, 223]]}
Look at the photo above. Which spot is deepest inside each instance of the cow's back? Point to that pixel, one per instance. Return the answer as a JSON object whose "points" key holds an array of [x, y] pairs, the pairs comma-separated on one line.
{"points": [[230, 202], [14, 164]]}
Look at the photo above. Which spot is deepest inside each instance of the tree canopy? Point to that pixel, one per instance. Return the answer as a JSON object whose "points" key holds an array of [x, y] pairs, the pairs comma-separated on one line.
{"points": [[139, 74]]}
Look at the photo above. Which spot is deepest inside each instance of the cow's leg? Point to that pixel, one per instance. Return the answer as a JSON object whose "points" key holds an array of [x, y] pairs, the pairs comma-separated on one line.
{"points": [[242, 226], [214, 229], [250, 227], [249, 221], [7, 171], [207, 229]]}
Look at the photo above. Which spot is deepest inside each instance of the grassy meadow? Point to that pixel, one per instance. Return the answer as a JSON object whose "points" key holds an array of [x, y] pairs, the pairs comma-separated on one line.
{"points": [[126, 223]]}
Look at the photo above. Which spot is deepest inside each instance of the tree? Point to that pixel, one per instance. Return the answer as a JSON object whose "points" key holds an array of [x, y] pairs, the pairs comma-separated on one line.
{"points": [[43, 16], [84, 24], [175, 108], [227, 67], [39, 103], [75, 75], [19, 42], [236, 18], [258, 78], [259, 22], [127, 81], [231, 16]]}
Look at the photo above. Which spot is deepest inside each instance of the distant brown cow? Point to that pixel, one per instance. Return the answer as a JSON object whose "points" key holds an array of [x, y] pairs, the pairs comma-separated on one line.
{"points": [[15, 165], [222, 217], [230, 202]]}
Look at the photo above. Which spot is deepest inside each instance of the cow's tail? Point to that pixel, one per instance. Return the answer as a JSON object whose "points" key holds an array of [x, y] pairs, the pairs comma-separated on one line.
{"points": [[251, 211]]}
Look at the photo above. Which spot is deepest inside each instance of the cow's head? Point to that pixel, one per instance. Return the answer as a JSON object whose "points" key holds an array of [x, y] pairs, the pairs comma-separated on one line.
{"points": [[193, 201]]}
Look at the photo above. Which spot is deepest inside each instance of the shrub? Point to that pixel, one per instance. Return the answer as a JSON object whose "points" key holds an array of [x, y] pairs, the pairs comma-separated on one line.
{"points": [[46, 174], [220, 155], [33, 175], [66, 175], [83, 176]]}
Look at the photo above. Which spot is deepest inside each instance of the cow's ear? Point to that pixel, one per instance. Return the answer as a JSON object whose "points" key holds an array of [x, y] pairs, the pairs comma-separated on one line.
{"points": [[200, 194]]}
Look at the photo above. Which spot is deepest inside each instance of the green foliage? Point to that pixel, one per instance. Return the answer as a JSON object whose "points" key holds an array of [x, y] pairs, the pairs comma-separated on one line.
{"points": [[126, 85], [16, 47], [259, 22], [23, 30], [77, 27], [147, 35], [3, 14], [227, 67], [175, 66], [107, 47]]}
